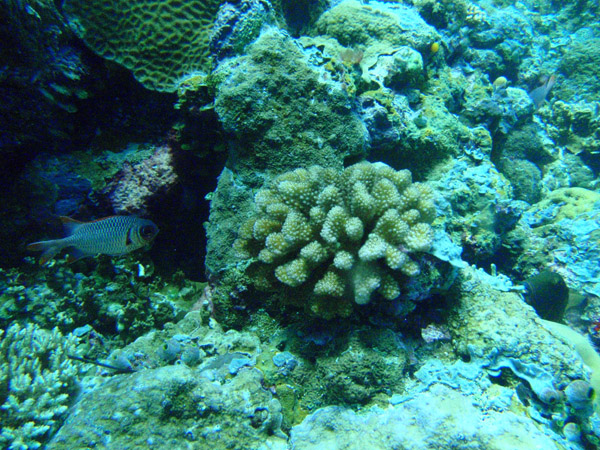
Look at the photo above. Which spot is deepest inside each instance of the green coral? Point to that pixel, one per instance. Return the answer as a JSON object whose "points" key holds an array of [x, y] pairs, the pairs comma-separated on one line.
{"points": [[280, 114], [36, 382], [355, 24], [159, 41], [341, 235]]}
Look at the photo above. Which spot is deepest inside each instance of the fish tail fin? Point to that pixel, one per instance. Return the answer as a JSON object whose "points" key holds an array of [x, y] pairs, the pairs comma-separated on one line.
{"points": [[48, 249]]}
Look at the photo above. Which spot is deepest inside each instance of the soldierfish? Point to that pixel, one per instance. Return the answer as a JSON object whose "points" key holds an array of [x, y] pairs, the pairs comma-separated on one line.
{"points": [[115, 235]]}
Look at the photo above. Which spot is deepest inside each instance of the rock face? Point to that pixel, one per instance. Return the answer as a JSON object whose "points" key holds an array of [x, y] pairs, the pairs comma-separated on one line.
{"points": [[437, 418], [280, 115], [172, 407]]}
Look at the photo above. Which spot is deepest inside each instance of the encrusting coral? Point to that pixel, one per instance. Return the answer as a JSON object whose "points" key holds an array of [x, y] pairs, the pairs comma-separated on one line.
{"points": [[36, 380], [342, 234]]}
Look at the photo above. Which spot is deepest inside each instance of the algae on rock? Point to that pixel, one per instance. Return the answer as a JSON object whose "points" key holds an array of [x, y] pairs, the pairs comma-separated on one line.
{"points": [[280, 115]]}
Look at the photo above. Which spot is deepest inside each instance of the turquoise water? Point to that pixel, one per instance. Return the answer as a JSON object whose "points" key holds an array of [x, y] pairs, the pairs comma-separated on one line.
{"points": [[347, 224]]}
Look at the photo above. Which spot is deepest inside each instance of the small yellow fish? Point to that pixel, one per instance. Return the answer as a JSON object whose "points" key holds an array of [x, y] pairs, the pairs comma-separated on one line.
{"points": [[115, 235]]}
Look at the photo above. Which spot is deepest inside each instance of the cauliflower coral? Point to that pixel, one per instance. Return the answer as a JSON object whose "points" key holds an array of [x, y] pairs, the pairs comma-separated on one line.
{"points": [[339, 235]]}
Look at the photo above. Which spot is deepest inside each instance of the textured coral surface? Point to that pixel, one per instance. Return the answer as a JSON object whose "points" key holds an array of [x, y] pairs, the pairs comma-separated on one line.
{"points": [[37, 380], [159, 41]]}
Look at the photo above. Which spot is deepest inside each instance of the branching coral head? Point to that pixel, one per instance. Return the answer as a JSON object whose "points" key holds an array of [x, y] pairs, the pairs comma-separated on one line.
{"points": [[342, 237]]}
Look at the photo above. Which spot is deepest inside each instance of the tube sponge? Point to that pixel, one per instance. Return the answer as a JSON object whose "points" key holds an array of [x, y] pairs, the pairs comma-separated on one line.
{"points": [[345, 235]]}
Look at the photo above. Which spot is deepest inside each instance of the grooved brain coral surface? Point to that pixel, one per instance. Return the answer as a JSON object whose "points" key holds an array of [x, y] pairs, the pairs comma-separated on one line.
{"points": [[160, 41], [344, 235]]}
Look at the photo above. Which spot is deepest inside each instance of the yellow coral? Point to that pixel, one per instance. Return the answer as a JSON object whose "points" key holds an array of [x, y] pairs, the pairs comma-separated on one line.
{"points": [[361, 202], [277, 244], [331, 284], [354, 229], [334, 226], [389, 288], [349, 232], [419, 238], [374, 248], [314, 252], [343, 260], [296, 229], [263, 227], [293, 273]]}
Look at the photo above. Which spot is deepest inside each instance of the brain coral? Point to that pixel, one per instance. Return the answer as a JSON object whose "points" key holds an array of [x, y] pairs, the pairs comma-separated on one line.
{"points": [[341, 236], [159, 41]]}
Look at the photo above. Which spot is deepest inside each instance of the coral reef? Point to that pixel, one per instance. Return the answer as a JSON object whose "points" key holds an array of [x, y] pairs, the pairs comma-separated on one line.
{"points": [[173, 406], [37, 384], [354, 24], [564, 225], [479, 208], [136, 185], [480, 323], [218, 400], [441, 413], [160, 42], [237, 25], [336, 308], [118, 300], [579, 65], [347, 234], [287, 119]]}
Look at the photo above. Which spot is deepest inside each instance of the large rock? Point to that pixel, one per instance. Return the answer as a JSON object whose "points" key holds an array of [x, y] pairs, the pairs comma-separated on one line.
{"points": [[172, 407]]}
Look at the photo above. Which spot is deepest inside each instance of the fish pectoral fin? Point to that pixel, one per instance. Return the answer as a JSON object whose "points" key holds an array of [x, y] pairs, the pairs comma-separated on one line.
{"points": [[75, 255], [37, 246], [128, 240]]}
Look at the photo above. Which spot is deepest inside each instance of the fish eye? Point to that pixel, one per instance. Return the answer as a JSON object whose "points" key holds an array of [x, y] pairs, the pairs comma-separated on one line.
{"points": [[147, 231]]}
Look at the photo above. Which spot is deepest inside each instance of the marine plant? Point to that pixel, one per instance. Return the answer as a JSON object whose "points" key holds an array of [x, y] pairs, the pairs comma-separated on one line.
{"points": [[343, 236]]}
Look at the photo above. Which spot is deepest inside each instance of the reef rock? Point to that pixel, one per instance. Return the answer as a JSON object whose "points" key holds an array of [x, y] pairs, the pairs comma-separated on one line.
{"points": [[440, 417], [172, 407], [280, 115]]}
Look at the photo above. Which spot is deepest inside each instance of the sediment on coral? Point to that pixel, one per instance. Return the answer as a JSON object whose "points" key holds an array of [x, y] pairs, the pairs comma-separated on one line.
{"points": [[345, 235]]}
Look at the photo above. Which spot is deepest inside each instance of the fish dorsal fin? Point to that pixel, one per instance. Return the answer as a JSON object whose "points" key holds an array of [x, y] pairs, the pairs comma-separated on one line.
{"points": [[70, 225]]}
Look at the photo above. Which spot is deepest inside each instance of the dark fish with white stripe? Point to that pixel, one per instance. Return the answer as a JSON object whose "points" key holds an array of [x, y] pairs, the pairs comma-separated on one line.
{"points": [[115, 235]]}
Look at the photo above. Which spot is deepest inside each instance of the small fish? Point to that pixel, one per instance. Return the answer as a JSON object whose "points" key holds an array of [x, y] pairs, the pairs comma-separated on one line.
{"points": [[113, 236], [538, 95]]}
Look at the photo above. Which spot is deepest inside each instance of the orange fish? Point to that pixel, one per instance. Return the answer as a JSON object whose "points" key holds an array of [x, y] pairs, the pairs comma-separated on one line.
{"points": [[115, 235]]}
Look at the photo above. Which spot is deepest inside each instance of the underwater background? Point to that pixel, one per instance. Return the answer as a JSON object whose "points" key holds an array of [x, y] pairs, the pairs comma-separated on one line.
{"points": [[310, 224]]}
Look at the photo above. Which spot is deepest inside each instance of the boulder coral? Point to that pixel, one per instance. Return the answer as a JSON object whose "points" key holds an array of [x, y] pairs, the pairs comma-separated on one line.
{"points": [[345, 236], [280, 115], [160, 42]]}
